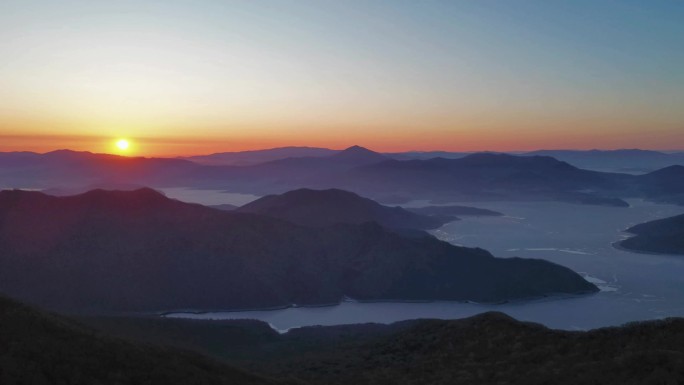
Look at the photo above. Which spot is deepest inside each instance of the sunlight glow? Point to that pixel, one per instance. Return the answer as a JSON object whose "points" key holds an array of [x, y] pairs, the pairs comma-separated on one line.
{"points": [[123, 144]]}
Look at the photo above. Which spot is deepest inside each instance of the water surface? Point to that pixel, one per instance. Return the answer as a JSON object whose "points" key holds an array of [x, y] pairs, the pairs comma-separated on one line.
{"points": [[633, 286]]}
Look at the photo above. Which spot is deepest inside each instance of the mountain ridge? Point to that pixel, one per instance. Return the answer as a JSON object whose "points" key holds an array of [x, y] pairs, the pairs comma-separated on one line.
{"points": [[318, 208], [140, 251]]}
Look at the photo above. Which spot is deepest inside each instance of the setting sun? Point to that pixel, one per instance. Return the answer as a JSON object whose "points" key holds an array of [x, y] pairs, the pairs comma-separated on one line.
{"points": [[122, 144]]}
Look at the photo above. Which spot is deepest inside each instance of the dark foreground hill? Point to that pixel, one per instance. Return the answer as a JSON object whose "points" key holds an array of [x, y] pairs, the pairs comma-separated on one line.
{"points": [[39, 348], [659, 236], [140, 251], [490, 348], [319, 208]]}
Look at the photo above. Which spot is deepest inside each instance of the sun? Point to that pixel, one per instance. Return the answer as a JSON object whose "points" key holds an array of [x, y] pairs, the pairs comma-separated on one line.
{"points": [[123, 144]]}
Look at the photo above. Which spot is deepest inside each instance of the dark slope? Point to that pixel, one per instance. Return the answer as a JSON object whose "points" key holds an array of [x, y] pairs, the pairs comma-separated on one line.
{"points": [[490, 348], [493, 348], [243, 342], [139, 251], [319, 208], [664, 185], [40, 348], [659, 236]]}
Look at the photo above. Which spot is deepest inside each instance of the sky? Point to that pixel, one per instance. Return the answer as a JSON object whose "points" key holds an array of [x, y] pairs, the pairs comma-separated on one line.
{"points": [[191, 77]]}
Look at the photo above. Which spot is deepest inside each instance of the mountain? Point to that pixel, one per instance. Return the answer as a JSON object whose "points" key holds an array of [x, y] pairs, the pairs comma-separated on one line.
{"points": [[665, 185], [358, 155], [72, 170], [409, 155], [659, 236], [282, 175], [493, 348], [475, 177], [485, 176], [42, 348], [246, 158], [319, 208], [490, 348], [625, 160], [140, 251]]}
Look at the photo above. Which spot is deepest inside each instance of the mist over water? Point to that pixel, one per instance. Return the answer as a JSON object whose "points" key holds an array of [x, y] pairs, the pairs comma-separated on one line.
{"points": [[208, 197], [633, 286]]}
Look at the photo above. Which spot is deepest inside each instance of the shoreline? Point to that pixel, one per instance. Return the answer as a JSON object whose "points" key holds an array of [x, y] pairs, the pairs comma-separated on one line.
{"points": [[616, 245], [520, 301]]}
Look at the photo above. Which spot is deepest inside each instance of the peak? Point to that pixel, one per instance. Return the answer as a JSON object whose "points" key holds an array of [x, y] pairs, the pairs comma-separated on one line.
{"points": [[310, 195], [359, 153], [358, 149]]}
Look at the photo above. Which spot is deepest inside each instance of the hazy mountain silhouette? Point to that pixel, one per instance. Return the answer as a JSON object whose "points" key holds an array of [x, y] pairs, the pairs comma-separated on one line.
{"points": [[246, 158], [409, 155], [659, 236], [284, 174], [71, 169], [482, 176], [624, 160], [359, 155], [139, 250], [42, 348], [327, 207]]}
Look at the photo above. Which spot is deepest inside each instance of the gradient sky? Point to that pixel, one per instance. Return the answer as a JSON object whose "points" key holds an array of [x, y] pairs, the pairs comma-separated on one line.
{"points": [[189, 77]]}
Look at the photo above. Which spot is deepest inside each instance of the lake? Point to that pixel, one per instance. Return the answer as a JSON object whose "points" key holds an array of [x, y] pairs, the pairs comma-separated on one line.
{"points": [[633, 286]]}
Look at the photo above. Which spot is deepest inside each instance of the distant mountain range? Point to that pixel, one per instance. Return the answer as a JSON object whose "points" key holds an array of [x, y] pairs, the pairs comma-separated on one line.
{"points": [[140, 251], [660, 236], [248, 158], [474, 177], [626, 160]]}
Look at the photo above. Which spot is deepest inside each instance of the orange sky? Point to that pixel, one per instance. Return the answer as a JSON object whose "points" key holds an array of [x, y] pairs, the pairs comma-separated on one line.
{"points": [[185, 78], [383, 141]]}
